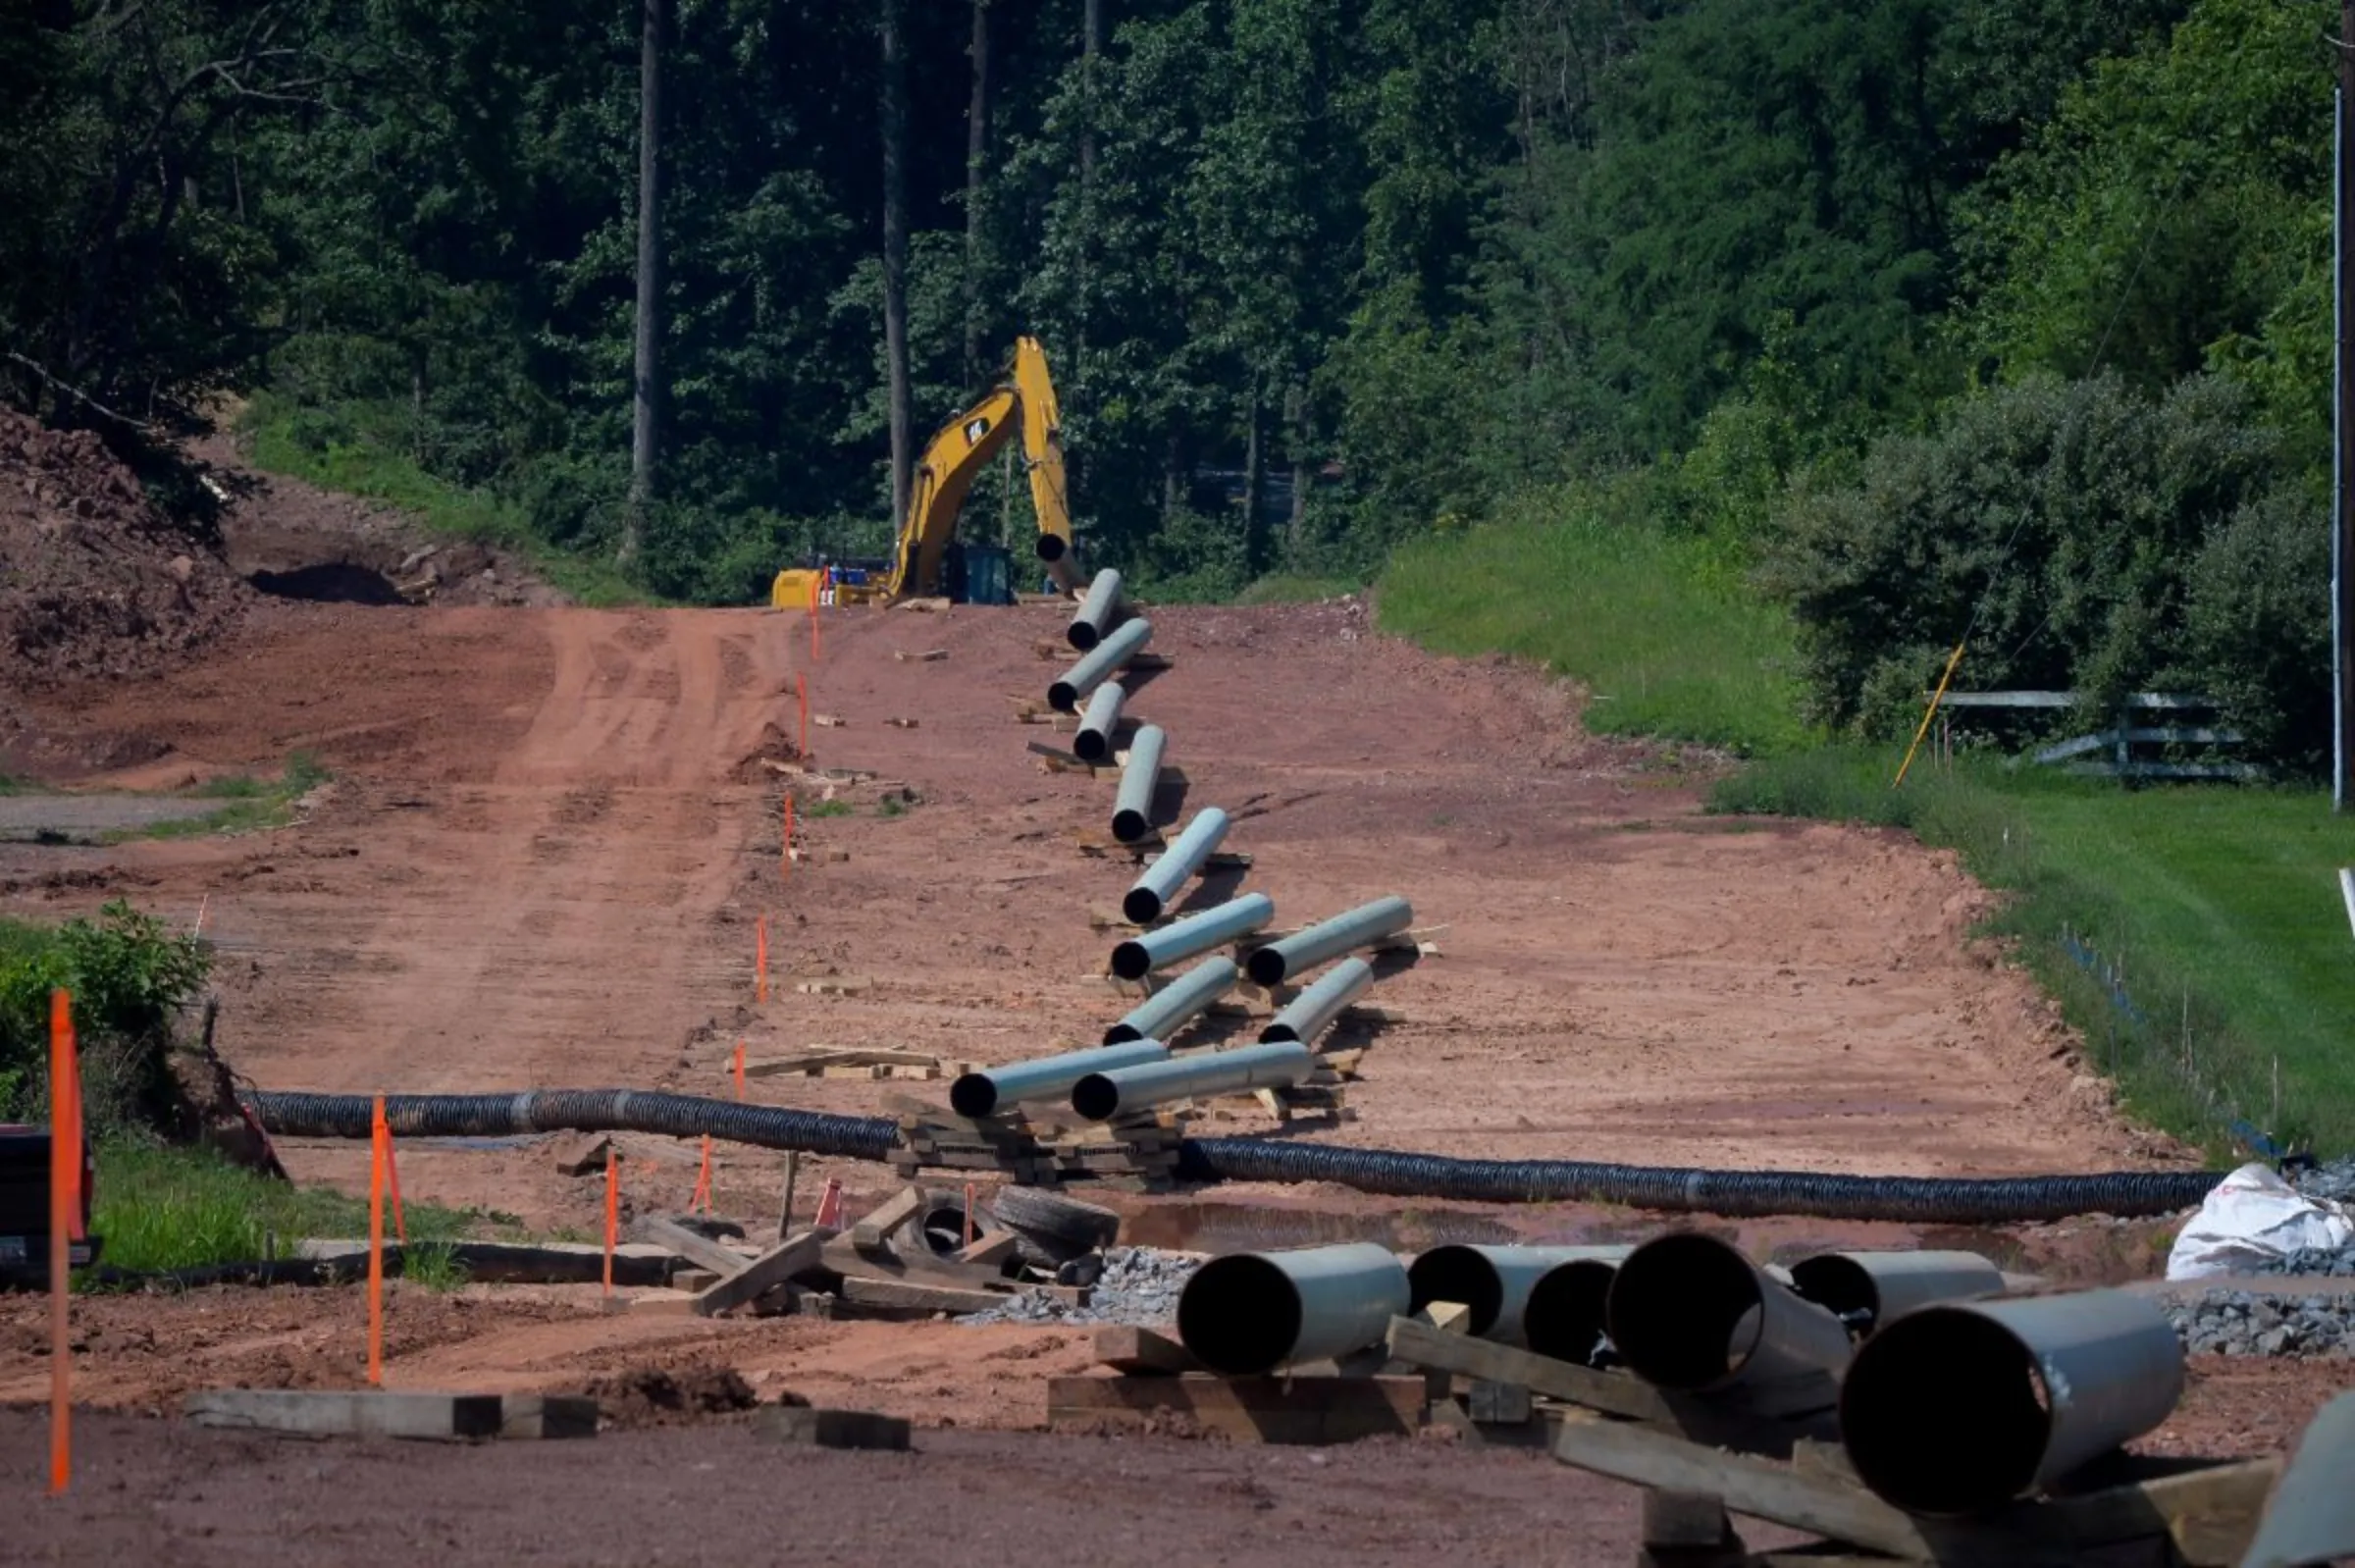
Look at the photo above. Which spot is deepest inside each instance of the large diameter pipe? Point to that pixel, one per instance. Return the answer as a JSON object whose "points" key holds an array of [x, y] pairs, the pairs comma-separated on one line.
{"points": [[1096, 610], [1046, 1077], [1101, 1096], [1098, 726], [1362, 926], [1494, 1282], [1566, 1315], [1249, 1313], [1687, 1312], [1178, 863], [1140, 779], [1958, 1408], [1142, 954], [2310, 1517], [1176, 1004], [1062, 559], [1865, 1289], [1098, 664], [1305, 1017]]}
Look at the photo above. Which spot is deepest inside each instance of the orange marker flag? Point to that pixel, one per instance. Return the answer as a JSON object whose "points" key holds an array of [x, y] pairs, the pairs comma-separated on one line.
{"points": [[380, 1139], [785, 855], [739, 1070], [700, 1197], [761, 958], [65, 1223], [612, 1212]]}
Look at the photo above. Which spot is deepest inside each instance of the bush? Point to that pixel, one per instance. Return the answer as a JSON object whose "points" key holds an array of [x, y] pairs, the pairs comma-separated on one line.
{"points": [[130, 978], [2064, 515], [2258, 628]]}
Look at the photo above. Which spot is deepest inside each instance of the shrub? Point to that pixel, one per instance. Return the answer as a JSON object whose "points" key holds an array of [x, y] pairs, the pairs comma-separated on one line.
{"points": [[130, 978], [2258, 627]]}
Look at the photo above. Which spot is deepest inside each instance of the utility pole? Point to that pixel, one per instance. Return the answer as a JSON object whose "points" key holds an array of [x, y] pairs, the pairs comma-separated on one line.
{"points": [[895, 256], [2343, 491], [976, 154], [646, 369]]}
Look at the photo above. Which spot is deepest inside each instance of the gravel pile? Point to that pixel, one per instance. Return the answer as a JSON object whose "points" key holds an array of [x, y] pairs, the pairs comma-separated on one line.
{"points": [[1139, 1286], [2334, 1180], [2339, 1261], [2236, 1323]]}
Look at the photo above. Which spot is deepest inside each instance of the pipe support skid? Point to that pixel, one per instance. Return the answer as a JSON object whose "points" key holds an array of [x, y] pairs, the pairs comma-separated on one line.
{"points": [[1957, 1408], [1046, 1077], [1865, 1289], [1304, 1017], [1101, 1096], [1140, 779], [1142, 954], [1176, 1004], [1100, 724], [2311, 1516], [1251, 1313], [1687, 1312], [1497, 1282], [1097, 665], [1735, 1195], [1096, 610], [1158, 884], [1362, 926]]}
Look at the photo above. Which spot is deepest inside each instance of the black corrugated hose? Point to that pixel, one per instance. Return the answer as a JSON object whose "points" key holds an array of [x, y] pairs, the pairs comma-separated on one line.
{"points": [[1933, 1200]]}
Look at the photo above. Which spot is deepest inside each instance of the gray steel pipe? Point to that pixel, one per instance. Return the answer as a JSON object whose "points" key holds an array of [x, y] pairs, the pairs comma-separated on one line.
{"points": [[1251, 1313], [1061, 558], [1494, 1282], [1304, 1017], [1096, 610], [1100, 724], [1362, 926], [1046, 1077], [1958, 1408], [1101, 1096], [1140, 779], [1865, 1289], [1689, 1312], [1566, 1316], [1158, 884], [1142, 954], [1117, 648], [1167, 1011], [2311, 1516]]}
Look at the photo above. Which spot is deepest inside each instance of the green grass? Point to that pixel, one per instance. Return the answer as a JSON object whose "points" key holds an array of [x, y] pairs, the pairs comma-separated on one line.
{"points": [[1662, 632], [380, 473], [14, 786], [2194, 934], [828, 808], [255, 804], [1296, 588], [171, 1208], [894, 806]]}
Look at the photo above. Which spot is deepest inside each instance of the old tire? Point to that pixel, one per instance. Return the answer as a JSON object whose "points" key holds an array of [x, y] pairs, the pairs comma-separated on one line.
{"points": [[1051, 1217]]}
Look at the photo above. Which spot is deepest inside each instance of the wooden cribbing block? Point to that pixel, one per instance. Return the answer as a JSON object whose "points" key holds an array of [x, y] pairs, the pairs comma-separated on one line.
{"points": [[796, 1254], [692, 1246], [831, 1429], [1286, 1410], [842, 1256], [1614, 1393], [1142, 1352], [349, 1413], [533, 1415], [985, 1251], [894, 1212], [909, 1295], [930, 656]]}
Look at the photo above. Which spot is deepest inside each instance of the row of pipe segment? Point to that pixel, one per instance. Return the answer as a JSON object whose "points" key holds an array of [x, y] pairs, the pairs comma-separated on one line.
{"points": [[1951, 1398]]}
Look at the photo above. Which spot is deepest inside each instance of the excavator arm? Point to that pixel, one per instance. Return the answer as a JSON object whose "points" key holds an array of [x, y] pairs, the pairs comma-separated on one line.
{"points": [[1025, 402]]}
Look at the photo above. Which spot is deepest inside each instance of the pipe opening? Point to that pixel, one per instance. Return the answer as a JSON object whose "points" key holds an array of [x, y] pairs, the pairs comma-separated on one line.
{"points": [[1685, 1311], [1944, 1412], [1265, 966], [1281, 1033], [975, 1094], [943, 1228], [1457, 1273], [1095, 1097], [1567, 1313], [1141, 905], [1129, 825], [1839, 1285], [1083, 636], [1130, 961], [1053, 546], [1122, 1033], [1092, 746], [1064, 696], [1240, 1315]]}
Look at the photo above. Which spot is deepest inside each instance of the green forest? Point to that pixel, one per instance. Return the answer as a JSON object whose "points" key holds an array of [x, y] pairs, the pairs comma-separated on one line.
{"points": [[1921, 318]]}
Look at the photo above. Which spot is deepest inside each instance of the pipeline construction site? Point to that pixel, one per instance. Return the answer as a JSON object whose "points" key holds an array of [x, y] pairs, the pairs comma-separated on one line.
{"points": [[1183, 1081]]}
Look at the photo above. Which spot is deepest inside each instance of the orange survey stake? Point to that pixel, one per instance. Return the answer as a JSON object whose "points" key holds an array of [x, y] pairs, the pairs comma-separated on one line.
{"points": [[612, 1212], [761, 958], [65, 1223], [380, 1139]]}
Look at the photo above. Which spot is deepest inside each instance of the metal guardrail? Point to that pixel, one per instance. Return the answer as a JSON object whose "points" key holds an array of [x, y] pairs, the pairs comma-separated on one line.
{"points": [[2121, 738]]}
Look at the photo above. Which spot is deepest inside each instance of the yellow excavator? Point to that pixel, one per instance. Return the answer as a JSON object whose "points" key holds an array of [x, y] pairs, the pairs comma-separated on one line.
{"points": [[927, 561]]}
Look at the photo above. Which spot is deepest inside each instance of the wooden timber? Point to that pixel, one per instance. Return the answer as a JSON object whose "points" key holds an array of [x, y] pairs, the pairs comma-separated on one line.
{"points": [[350, 1413]]}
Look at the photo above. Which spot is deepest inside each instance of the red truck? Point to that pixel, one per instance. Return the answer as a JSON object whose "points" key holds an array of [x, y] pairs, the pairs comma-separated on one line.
{"points": [[25, 1209]]}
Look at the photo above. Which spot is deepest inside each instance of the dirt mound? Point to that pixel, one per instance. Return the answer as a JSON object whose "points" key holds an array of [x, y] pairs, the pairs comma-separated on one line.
{"points": [[672, 1397], [94, 579]]}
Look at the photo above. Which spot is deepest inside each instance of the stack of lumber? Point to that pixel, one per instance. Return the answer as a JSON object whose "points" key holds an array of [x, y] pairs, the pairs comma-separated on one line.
{"points": [[857, 1061], [1138, 1152]]}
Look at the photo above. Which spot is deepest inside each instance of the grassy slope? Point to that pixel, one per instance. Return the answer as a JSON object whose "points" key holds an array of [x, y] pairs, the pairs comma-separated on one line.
{"points": [[1667, 643]]}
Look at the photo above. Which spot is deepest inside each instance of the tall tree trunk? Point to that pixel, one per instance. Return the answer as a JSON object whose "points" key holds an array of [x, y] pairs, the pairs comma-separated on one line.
{"points": [[1254, 480], [646, 373], [895, 255], [977, 155]]}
